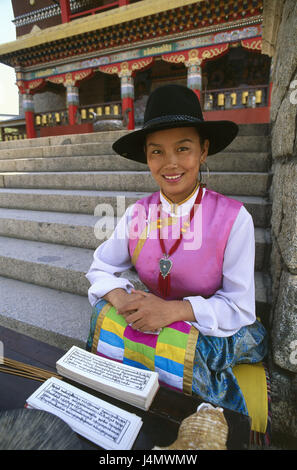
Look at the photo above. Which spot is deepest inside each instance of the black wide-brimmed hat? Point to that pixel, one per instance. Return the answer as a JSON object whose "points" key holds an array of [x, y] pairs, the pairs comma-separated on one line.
{"points": [[172, 106]]}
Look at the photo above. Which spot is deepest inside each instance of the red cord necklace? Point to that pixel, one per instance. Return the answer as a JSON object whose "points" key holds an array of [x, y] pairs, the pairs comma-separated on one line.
{"points": [[165, 262]]}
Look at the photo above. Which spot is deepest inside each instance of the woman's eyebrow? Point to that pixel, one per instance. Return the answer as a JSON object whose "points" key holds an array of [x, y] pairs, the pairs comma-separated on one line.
{"points": [[176, 143], [183, 140], [153, 144]]}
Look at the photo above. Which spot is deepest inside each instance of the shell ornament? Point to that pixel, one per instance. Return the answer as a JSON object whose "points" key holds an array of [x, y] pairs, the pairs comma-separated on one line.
{"points": [[207, 429]]}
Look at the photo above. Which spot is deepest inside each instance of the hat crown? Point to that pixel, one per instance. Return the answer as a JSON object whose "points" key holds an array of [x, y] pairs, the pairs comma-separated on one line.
{"points": [[172, 101]]}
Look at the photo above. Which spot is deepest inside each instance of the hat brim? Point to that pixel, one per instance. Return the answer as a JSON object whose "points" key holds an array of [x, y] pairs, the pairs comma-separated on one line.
{"points": [[219, 133]]}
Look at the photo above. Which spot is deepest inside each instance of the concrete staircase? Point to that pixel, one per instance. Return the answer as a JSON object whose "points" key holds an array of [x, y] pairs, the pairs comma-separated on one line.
{"points": [[49, 191]]}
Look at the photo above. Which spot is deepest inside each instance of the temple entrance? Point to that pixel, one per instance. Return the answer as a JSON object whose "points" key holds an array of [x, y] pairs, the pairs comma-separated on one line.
{"points": [[99, 97], [50, 106]]}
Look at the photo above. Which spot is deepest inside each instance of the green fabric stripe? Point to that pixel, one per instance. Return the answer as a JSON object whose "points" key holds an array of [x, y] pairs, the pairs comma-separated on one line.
{"points": [[140, 348], [173, 337], [112, 314]]}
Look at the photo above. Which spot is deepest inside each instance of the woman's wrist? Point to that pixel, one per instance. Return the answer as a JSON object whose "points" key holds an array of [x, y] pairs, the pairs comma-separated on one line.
{"points": [[180, 310], [117, 297]]}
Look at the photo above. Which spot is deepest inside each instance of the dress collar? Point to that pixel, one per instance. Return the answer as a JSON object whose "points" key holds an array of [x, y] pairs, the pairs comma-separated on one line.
{"points": [[181, 208]]}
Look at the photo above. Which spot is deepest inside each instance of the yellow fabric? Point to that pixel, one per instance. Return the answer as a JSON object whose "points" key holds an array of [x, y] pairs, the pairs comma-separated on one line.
{"points": [[98, 327], [251, 379], [139, 357], [111, 325], [189, 360], [174, 353]]}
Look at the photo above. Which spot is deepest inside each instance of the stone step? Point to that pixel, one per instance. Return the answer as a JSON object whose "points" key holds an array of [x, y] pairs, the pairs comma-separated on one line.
{"points": [[78, 230], [254, 129], [63, 268], [55, 317], [50, 151], [76, 163], [244, 184], [56, 266], [85, 202], [233, 161], [94, 137], [109, 136], [240, 144]]}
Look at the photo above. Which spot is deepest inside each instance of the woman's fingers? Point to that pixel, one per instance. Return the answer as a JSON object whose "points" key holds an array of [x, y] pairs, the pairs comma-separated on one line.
{"points": [[128, 308], [141, 292]]}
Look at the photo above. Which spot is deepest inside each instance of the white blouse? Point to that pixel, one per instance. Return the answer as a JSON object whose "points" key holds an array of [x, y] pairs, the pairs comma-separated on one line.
{"points": [[224, 313]]}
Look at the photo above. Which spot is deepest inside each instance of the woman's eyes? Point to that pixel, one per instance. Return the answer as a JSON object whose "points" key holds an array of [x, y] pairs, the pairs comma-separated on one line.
{"points": [[179, 150]]}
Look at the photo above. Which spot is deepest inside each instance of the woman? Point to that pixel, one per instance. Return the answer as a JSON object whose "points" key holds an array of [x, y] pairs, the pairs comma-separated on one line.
{"points": [[193, 249]]}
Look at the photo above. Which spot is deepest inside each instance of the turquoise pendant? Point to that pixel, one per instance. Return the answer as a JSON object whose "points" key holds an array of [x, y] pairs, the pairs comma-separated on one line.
{"points": [[165, 266]]}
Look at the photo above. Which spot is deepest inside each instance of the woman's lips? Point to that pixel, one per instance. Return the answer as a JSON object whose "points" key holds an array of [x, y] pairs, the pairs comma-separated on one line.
{"points": [[173, 178]]}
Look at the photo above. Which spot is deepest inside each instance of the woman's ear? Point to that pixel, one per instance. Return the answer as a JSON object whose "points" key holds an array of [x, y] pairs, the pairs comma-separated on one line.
{"points": [[204, 151]]}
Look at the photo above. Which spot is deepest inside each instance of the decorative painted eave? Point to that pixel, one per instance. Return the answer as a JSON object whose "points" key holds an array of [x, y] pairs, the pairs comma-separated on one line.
{"points": [[92, 23]]}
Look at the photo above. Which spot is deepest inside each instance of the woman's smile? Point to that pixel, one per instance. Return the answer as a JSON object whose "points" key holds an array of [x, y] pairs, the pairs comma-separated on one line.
{"points": [[173, 178]]}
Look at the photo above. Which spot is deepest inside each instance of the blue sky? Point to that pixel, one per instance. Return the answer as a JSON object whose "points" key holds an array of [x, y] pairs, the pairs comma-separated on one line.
{"points": [[8, 90]]}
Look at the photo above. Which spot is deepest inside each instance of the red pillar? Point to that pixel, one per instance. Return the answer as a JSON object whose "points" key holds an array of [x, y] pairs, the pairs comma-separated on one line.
{"points": [[128, 103], [123, 2], [72, 110], [65, 10], [30, 129], [127, 93], [72, 103], [28, 106]]}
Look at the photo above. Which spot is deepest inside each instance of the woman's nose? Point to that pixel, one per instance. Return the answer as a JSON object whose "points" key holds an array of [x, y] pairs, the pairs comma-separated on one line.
{"points": [[171, 159]]}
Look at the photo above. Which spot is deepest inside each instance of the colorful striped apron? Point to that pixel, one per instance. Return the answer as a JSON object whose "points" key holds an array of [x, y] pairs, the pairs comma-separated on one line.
{"points": [[170, 353]]}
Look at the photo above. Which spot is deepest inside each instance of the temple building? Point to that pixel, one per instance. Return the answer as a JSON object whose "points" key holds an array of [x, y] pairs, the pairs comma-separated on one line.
{"points": [[82, 63]]}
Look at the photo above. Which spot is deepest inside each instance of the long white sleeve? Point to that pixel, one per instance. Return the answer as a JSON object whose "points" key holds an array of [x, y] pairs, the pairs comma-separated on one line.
{"points": [[110, 258], [232, 306]]}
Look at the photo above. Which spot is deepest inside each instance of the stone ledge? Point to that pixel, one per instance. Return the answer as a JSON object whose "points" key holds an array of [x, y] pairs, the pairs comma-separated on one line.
{"points": [[283, 401], [284, 329]]}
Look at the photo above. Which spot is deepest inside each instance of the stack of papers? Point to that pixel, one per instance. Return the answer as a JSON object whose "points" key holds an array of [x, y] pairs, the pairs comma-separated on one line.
{"points": [[106, 425], [135, 386]]}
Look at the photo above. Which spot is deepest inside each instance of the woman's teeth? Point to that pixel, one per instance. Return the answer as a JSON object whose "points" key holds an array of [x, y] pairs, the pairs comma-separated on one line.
{"points": [[172, 177]]}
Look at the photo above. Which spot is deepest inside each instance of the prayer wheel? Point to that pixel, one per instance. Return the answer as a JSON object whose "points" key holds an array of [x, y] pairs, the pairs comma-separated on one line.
{"points": [[233, 99], [244, 97], [258, 96], [221, 99]]}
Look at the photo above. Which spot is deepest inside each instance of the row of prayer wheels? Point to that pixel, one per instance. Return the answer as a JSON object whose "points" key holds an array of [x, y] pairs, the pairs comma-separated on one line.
{"points": [[236, 98], [109, 110], [87, 113], [48, 119], [13, 136]]}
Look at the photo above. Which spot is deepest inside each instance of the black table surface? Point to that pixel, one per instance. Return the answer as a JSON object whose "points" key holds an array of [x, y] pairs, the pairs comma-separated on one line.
{"points": [[160, 423]]}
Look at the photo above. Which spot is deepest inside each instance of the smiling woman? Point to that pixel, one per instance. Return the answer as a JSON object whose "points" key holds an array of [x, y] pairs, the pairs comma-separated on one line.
{"points": [[194, 252]]}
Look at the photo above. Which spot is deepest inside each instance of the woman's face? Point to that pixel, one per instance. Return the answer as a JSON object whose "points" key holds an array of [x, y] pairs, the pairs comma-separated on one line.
{"points": [[174, 157]]}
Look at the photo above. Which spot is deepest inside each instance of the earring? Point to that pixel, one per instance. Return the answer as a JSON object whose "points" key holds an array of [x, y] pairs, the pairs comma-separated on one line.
{"points": [[207, 175]]}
